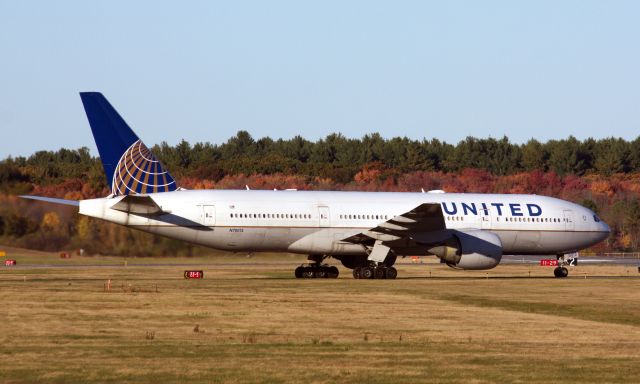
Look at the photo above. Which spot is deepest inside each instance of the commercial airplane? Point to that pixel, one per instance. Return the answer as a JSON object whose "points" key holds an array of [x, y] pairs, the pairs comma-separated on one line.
{"points": [[366, 231]]}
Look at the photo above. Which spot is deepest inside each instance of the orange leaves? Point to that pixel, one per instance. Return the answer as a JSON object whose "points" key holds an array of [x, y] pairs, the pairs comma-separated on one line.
{"points": [[50, 221], [58, 190], [195, 183], [367, 176], [73, 195], [603, 187], [625, 240]]}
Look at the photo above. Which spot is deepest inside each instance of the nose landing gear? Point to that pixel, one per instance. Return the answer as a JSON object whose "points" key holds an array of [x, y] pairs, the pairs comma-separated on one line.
{"points": [[561, 270]]}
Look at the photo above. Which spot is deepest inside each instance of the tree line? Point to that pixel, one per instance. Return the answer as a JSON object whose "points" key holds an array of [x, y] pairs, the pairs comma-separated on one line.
{"points": [[340, 158], [603, 175]]}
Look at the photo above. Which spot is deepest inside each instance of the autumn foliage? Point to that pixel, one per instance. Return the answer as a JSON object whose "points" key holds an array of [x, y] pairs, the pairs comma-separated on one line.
{"points": [[603, 175]]}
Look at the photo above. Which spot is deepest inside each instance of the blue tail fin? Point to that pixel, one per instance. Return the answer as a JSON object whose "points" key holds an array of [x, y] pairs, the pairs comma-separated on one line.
{"points": [[130, 166]]}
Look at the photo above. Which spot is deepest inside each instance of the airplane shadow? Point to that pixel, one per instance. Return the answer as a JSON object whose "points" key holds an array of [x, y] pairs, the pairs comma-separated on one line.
{"points": [[179, 221], [452, 278]]}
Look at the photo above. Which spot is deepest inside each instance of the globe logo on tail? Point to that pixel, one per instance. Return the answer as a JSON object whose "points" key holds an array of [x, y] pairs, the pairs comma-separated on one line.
{"points": [[139, 171]]}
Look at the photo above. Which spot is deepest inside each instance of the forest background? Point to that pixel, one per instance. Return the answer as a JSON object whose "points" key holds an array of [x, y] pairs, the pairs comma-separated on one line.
{"points": [[603, 175]]}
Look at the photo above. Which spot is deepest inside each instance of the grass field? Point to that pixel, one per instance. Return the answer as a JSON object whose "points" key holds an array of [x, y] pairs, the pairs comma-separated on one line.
{"points": [[250, 321]]}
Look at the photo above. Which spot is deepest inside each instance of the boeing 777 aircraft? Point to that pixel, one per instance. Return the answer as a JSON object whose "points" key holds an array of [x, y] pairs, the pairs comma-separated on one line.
{"points": [[366, 231]]}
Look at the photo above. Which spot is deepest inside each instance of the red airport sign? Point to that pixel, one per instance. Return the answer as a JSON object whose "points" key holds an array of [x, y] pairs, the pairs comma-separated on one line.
{"points": [[9, 262], [548, 263], [194, 274]]}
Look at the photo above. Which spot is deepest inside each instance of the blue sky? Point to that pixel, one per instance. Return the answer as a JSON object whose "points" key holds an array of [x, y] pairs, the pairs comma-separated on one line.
{"points": [[204, 70]]}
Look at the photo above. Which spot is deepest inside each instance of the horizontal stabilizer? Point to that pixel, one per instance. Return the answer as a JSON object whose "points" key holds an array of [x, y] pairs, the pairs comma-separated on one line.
{"points": [[143, 205], [52, 200]]}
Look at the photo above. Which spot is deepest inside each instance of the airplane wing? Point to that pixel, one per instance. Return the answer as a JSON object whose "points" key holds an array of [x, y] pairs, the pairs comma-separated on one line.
{"points": [[424, 223]]}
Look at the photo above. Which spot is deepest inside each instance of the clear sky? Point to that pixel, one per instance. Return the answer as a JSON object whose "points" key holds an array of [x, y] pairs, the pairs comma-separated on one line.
{"points": [[204, 70]]}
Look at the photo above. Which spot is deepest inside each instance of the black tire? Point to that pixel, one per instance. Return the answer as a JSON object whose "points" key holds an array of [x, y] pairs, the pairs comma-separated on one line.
{"points": [[366, 273], [392, 273], [556, 272], [298, 272], [380, 273], [333, 272], [308, 273], [322, 272], [564, 272], [356, 272]]}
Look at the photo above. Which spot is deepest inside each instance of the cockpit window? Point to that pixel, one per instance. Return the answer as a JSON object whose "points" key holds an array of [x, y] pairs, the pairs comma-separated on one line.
{"points": [[596, 218]]}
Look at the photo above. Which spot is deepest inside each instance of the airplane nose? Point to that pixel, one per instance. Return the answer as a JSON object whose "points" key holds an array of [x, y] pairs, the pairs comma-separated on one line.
{"points": [[605, 230]]}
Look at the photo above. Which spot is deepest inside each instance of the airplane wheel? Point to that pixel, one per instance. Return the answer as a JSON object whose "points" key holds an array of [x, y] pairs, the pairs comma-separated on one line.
{"points": [[356, 272], [298, 272], [561, 272], [308, 273], [392, 273], [379, 273], [322, 272], [333, 272], [366, 273]]}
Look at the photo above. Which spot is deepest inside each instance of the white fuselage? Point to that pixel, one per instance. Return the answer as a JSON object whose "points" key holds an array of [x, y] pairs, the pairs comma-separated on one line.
{"points": [[313, 222]]}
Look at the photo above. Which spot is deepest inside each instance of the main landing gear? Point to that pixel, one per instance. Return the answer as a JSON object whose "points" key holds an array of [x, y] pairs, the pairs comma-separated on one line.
{"points": [[316, 270], [375, 272], [379, 263], [313, 271]]}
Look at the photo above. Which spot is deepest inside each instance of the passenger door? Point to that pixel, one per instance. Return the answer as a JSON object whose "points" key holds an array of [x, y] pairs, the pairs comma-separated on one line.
{"points": [[323, 216], [208, 215], [569, 224]]}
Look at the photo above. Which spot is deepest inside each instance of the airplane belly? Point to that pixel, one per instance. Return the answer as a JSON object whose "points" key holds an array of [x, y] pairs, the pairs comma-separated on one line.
{"points": [[546, 242], [180, 233], [508, 240], [325, 241], [253, 239], [528, 242], [235, 238]]}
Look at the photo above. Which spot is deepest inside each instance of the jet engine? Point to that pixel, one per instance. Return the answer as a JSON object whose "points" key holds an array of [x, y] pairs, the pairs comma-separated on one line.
{"points": [[472, 249]]}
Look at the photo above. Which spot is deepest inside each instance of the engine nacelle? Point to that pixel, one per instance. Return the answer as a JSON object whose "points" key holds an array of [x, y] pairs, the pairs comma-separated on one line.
{"points": [[472, 249]]}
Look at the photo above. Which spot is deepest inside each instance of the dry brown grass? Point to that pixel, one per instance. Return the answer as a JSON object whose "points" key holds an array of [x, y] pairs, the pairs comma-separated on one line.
{"points": [[257, 324]]}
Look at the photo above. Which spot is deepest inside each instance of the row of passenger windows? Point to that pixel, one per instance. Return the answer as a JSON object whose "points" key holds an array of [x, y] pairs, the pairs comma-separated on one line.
{"points": [[382, 217], [271, 216], [363, 217], [536, 219], [301, 216], [519, 219]]}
